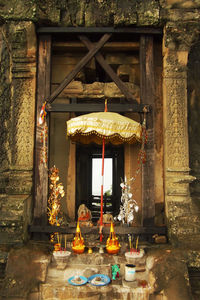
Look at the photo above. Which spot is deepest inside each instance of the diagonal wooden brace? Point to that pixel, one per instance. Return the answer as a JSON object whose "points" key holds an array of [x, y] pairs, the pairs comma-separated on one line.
{"points": [[78, 67], [120, 84]]}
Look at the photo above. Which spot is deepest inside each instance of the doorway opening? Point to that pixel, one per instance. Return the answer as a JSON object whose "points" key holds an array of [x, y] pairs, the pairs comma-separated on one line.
{"points": [[88, 178]]}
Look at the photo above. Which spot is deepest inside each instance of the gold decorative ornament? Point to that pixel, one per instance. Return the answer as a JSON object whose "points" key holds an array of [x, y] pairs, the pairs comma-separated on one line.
{"points": [[56, 193], [78, 245], [112, 245]]}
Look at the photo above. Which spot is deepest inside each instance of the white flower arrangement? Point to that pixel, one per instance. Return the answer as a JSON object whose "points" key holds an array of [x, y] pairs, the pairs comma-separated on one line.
{"points": [[128, 205]]}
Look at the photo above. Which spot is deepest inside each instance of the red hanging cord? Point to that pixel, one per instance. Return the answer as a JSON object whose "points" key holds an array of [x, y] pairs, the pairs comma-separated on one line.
{"points": [[102, 183]]}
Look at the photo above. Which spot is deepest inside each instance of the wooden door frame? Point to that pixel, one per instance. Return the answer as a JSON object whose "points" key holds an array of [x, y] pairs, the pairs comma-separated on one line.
{"points": [[43, 94]]}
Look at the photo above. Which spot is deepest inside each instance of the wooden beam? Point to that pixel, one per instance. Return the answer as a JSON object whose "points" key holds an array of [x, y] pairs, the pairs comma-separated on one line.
{"points": [[110, 46], [140, 30], [78, 67], [147, 96], [109, 70], [43, 91], [89, 107], [95, 230]]}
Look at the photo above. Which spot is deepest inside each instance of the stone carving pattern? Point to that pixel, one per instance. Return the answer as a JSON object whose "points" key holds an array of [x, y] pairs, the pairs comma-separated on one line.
{"points": [[176, 129], [5, 96], [23, 101], [23, 123]]}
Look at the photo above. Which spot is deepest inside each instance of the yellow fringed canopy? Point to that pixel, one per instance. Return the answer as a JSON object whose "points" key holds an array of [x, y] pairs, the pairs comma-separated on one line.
{"points": [[111, 126]]}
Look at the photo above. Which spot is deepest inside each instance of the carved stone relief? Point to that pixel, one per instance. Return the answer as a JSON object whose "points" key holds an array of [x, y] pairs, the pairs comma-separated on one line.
{"points": [[23, 86], [17, 117], [176, 154], [176, 126], [5, 96]]}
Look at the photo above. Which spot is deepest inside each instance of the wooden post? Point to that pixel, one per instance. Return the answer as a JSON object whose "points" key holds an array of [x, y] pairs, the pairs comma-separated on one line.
{"points": [[147, 96], [43, 91]]}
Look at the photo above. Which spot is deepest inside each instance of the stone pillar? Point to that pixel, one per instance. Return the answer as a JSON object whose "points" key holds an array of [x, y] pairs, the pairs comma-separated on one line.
{"points": [[18, 74], [176, 154]]}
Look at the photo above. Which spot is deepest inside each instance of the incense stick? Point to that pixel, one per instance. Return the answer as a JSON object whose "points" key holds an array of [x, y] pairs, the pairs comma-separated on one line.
{"points": [[137, 242]]}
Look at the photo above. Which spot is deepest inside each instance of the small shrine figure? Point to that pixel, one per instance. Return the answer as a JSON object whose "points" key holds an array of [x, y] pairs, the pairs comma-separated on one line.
{"points": [[84, 216], [115, 272], [107, 219], [78, 242], [112, 244]]}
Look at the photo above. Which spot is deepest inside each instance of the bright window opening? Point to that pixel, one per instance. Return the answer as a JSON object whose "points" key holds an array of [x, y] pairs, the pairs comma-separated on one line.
{"points": [[97, 179]]}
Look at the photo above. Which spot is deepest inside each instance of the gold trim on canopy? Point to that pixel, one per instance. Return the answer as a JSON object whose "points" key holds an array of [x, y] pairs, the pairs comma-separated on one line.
{"points": [[93, 127]]}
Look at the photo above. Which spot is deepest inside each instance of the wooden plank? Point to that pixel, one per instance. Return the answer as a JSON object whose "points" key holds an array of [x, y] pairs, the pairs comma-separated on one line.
{"points": [[109, 70], [43, 91], [140, 30], [122, 230], [78, 67], [89, 107], [110, 46], [147, 96]]}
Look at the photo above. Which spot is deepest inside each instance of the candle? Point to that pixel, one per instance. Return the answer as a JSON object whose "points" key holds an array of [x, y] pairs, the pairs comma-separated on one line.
{"points": [[65, 242]]}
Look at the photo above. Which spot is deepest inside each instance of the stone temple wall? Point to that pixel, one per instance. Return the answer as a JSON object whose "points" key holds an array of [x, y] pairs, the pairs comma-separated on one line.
{"points": [[18, 73], [182, 222], [18, 22]]}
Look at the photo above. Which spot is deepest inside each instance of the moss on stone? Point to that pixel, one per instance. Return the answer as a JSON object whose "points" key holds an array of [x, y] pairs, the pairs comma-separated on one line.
{"points": [[83, 12]]}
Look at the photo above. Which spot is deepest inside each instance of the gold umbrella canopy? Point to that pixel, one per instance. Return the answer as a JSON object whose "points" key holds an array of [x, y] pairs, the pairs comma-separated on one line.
{"points": [[112, 127]]}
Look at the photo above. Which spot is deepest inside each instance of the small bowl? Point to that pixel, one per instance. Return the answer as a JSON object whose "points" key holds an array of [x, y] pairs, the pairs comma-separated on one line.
{"points": [[61, 258], [133, 257]]}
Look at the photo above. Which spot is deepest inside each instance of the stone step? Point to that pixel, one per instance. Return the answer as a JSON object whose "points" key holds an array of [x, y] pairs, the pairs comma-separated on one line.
{"points": [[58, 291]]}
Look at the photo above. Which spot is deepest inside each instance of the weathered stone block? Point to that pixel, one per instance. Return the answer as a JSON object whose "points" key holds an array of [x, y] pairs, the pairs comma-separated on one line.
{"points": [[121, 15], [111, 90], [194, 258], [13, 202], [47, 11], [96, 88], [169, 270], [46, 291], [20, 10], [75, 88], [176, 209], [5, 102], [26, 267], [11, 238], [19, 185], [98, 13], [180, 4], [148, 13], [34, 296]]}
